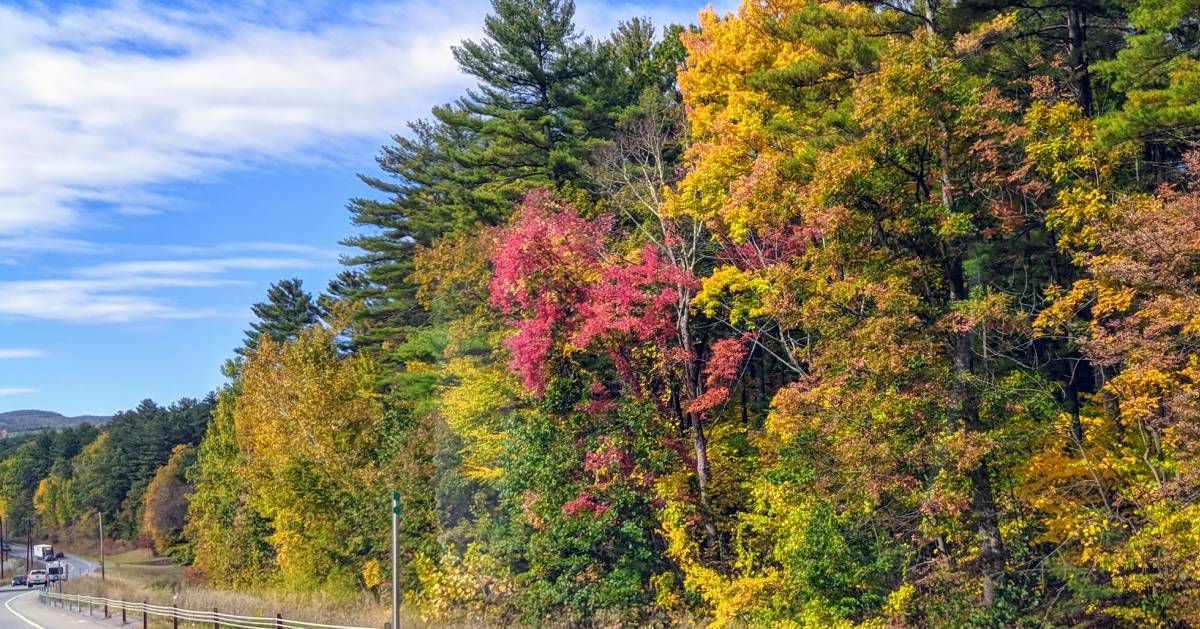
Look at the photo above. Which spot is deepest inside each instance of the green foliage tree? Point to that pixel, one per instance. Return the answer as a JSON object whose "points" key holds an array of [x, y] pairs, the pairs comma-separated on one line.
{"points": [[228, 537], [287, 311]]}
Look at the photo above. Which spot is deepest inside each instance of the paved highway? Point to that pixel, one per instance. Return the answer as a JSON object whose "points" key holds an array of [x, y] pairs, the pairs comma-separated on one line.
{"points": [[20, 609]]}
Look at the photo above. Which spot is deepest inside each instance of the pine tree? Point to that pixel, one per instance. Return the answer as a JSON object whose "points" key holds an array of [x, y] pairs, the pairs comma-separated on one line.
{"points": [[287, 311], [531, 121]]}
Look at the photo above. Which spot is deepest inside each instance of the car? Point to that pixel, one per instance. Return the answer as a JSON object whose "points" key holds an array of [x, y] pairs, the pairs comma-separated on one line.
{"points": [[18, 580], [58, 555], [37, 577], [6, 548]]}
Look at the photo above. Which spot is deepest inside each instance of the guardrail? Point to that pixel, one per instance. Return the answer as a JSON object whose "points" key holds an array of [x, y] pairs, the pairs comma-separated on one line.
{"points": [[216, 619]]}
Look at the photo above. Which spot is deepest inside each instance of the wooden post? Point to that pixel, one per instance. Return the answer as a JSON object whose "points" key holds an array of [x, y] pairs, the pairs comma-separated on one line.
{"points": [[278, 621], [106, 608], [145, 615], [216, 625], [174, 617], [123, 606]]}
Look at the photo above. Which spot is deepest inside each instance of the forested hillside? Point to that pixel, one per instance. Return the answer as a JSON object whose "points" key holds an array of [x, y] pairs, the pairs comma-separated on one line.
{"points": [[33, 420], [815, 314], [56, 482]]}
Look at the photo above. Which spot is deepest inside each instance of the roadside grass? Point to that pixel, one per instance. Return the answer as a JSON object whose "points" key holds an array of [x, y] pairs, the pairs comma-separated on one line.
{"points": [[137, 577]]}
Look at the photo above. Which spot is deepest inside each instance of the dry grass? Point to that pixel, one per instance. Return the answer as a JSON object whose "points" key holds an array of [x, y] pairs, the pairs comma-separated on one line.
{"points": [[166, 585]]}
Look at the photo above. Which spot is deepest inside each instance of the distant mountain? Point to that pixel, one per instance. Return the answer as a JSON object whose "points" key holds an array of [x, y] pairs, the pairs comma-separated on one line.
{"points": [[31, 420]]}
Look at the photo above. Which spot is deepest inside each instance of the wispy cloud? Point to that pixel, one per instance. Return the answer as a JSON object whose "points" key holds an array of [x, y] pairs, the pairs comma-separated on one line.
{"points": [[120, 291], [16, 391], [185, 268], [20, 352], [101, 103]]}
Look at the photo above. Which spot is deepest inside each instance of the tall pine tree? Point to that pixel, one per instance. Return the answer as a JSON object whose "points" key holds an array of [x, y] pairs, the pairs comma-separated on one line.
{"points": [[287, 311]]}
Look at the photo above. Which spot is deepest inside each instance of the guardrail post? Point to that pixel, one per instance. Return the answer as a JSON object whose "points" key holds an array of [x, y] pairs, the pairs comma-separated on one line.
{"points": [[174, 617], [106, 608], [278, 621], [90, 606], [123, 606], [145, 615], [216, 625]]}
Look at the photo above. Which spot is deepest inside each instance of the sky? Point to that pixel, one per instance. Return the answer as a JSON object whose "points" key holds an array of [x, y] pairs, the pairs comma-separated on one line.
{"points": [[162, 163]]}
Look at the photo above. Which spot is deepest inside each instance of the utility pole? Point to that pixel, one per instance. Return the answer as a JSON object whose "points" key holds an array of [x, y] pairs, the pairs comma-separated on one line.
{"points": [[28, 547], [396, 560], [1, 549], [101, 544]]}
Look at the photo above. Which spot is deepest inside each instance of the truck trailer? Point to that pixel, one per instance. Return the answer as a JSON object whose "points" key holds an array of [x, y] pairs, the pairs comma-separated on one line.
{"points": [[43, 552]]}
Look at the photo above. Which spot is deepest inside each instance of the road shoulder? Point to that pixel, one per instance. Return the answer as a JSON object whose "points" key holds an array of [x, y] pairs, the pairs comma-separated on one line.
{"points": [[27, 608]]}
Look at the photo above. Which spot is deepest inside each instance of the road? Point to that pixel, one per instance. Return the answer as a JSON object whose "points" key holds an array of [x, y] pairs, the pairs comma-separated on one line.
{"points": [[20, 609]]}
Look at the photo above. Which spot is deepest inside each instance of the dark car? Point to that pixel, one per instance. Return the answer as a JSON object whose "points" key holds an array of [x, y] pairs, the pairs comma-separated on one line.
{"points": [[58, 555], [6, 548], [18, 580]]}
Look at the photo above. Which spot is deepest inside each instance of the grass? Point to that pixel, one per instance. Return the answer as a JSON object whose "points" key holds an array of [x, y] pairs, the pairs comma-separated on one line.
{"points": [[166, 586], [139, 576]]}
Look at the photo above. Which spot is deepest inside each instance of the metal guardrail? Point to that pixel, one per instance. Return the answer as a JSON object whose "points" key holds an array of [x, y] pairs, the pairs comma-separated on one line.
{"points": [[176, 615]]}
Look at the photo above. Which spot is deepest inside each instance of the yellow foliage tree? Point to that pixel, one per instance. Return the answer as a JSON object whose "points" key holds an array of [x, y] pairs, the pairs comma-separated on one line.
{"points": [[166, 501], [308, 424]]}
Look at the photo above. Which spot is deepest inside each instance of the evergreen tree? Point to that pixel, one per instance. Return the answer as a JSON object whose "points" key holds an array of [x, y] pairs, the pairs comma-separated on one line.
{"points": [[532, 120], [287, 311]]}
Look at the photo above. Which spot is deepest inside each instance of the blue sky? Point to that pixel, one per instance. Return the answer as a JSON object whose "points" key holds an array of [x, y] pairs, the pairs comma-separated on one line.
{"points": [[161, 163]]}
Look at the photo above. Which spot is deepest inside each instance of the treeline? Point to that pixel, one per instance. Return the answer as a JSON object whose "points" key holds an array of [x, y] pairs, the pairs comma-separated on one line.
{"points": [[57, 483], [817, 314]]}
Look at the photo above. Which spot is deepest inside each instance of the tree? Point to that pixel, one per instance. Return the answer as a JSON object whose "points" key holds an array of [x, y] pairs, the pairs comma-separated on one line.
{"points": [[308, 429], [546, 97], [228, 536], [1158, 75], [287, 311], [166, 504]]}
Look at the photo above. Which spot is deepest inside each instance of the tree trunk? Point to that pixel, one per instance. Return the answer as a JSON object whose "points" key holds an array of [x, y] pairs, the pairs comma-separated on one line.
{"points": [[983, 504], [703, 475], [965, 413], [1081, 79], [696, 422]]}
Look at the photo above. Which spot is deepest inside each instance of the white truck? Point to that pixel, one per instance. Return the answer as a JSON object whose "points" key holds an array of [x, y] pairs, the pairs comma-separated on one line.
{"points": [[56, 571], [43, 552]]}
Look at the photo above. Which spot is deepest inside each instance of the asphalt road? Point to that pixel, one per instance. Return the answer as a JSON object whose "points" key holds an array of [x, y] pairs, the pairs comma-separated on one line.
{"points": [[20, 609]]}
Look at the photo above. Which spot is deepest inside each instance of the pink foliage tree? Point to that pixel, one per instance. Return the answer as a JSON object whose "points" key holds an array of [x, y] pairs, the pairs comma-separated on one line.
{"points": [[569, 285]]}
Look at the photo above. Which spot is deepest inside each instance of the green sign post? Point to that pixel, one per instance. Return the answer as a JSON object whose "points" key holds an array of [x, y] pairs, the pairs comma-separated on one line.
{"points": [[395, 560]]}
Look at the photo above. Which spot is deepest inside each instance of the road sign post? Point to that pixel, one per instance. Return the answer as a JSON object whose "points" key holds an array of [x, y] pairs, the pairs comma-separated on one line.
{"points": [[396, 560], [101, 544]]}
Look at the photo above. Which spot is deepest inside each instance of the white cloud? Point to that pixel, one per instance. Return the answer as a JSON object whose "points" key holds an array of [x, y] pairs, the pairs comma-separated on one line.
{"points": [[89, 117], [20, 352], [121, 291], [177, 268], [100, 104], [99, 301], [16, 391]]}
